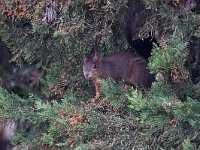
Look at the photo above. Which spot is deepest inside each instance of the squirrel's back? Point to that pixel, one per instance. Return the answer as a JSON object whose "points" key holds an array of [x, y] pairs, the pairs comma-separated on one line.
{"points": [[126, 66]]}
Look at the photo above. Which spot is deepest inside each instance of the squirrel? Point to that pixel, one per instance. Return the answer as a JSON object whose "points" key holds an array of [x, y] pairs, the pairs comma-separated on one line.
{"points": [[127, 66], [135, 19]]}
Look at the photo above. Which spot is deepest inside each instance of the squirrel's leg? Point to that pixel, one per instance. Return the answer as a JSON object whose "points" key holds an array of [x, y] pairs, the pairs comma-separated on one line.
{"points": [[97, 89]]}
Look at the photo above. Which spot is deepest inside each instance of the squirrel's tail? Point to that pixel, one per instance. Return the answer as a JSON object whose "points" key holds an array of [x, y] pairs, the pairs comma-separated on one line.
{"points": [[135, 20]]}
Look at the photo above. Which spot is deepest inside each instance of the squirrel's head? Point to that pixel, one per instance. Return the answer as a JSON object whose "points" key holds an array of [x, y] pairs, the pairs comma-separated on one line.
{"points": [[92, 65]]}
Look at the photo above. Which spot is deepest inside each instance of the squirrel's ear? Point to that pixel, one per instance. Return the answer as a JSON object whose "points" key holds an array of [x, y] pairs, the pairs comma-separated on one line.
{"points": [[96, 52], [84, 59]]}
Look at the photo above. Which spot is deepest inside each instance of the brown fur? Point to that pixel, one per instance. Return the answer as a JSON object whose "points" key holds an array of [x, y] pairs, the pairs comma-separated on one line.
{"points": [[129, 67], [4, 142]]}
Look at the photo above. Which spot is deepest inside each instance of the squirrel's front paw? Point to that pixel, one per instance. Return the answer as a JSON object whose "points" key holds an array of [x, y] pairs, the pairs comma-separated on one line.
{"points": [[95, 98]]}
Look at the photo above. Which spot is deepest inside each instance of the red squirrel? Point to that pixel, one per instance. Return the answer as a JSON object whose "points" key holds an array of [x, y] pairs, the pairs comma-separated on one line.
{"points": [[127, 66]]}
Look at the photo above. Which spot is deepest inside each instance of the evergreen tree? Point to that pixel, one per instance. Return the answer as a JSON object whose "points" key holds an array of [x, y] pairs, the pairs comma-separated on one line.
{"points": [[55, 35]]}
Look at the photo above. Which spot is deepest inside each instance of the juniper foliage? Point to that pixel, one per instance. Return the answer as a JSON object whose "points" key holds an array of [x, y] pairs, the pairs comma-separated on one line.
{"points": [[56, 34]]}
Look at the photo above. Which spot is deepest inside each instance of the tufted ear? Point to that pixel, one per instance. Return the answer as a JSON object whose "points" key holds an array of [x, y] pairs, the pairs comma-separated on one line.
{"points": [[84, 59], [96, 53]]}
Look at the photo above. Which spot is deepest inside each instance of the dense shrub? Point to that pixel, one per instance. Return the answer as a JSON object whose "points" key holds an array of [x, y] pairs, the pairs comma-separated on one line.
{"points": [[55, 35]]}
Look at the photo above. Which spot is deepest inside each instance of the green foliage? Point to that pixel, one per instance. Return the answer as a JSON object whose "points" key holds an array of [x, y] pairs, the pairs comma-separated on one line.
{"points": [[66, 36], [12, 106], [188, 112], [18, 138], [187, 145], [165, 117], [115, 93], [163, 60], [110, 88], [53, 123]]}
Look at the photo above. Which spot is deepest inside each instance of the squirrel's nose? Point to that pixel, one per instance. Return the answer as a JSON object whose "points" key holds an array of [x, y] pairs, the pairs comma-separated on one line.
{"points": [[86, 75]]}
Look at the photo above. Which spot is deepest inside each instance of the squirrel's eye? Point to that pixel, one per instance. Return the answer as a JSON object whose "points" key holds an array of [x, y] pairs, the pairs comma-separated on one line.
{"points": [[94, 66]]}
